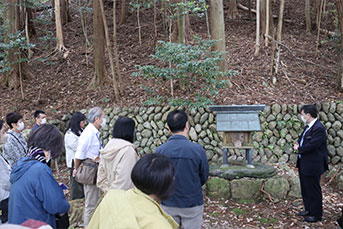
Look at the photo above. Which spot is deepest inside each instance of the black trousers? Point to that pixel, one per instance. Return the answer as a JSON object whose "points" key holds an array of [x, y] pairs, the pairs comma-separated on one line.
{"points": [[4, 210], [312, 194], [76, 189]]}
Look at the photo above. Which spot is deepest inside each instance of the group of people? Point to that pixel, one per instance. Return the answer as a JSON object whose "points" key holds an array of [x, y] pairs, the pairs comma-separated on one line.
{"points": [[159, 190]]}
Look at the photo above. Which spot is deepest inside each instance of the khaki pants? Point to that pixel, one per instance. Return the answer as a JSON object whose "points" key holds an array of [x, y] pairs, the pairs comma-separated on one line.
{"points": [[188, 218], [92, 196]]}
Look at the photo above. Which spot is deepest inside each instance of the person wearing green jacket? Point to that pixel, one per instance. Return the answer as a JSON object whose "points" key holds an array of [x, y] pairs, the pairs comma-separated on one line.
{"points": [[153, 177]]}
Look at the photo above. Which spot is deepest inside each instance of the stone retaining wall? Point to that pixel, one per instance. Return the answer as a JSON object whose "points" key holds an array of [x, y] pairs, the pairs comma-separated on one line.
{"points": [[281, 126]]}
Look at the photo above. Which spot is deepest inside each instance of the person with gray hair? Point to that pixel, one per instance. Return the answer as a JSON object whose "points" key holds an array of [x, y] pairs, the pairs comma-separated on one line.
{"points": [[88, 149]]}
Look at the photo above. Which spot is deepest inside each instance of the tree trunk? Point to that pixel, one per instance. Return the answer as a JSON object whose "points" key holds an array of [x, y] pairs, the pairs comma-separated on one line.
{"points": [[266, 17], [181, 25], [59, 30], [122, 12], [233, 11], [115, 47], [100, 76], [258, 23], [65, 16], [339, 5], [18, 69], [218, 30], [278, 38], [308, 15], [109, 50]]}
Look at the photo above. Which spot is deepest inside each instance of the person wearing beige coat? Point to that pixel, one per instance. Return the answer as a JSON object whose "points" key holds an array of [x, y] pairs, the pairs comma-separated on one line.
{"points": [[118, 157]]}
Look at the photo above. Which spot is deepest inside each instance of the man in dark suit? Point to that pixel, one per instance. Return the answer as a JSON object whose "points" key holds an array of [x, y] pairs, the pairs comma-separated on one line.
{"points": [[312, 163]]}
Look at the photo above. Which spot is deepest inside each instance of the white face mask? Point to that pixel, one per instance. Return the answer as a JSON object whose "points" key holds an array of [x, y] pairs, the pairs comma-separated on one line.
{"points": [[3, 138], [303, 119], [103, 124], [43, 121], [21, 126]]}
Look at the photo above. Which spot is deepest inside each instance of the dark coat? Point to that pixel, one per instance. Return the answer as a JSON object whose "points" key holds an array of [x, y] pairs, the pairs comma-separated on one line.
{"points": [[314, 153]]}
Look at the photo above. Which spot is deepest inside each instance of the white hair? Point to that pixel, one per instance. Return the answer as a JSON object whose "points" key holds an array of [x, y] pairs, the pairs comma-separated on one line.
{"points": [[93, 113]]}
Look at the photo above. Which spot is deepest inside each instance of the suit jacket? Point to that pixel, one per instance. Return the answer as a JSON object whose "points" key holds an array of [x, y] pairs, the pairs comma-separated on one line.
{"points": [[314, 153]]}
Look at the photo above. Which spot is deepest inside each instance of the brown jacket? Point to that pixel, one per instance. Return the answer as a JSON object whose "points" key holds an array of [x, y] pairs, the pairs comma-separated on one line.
{"points": [[117, 160]]}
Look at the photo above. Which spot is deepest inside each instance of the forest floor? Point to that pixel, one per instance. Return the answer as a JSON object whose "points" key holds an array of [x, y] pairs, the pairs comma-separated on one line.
{"points": [[60, 85], [262, 213]]}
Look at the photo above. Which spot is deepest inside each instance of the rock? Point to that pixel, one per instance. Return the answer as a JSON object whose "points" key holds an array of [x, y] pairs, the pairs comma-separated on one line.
{"points": [[144, 142], [287, 117], [213, 127], [270, 118], [332, 132], [201, 110], [266, 111], [157, 117], [147, 125], [218, 188], [335, 159], [268, 133], [164, 139], [277, 187], [146, 133], [293, 158], [284, 108], [339, 151], [339, 108], [340, 134], [203, 118], [158, 109], [198, 128], [214, 143], [276, 109], [246, 189], [332, 108], [272, 125], [295, 190], [293, 133], [211, 118], [193, 135], [330, 139], [66, 117], [323, 116], [273, 159], [336, 141], [331, 150], [326, 107], [208, 147], [258, 136], [331, 117], [197, 118], [160, 125], [202, 134], [205, 125], [145, 117], [289, 138], [279, 117], [337, 125], [338, 117], [264, 159], [153, 125], [284, 158], [209, 154], [191, 121], [206, 140], [150, 110], [328, 125]]}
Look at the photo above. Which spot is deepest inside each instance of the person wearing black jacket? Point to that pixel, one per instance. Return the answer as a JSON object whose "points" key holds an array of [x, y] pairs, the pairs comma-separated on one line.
{"points": [[312, 163]]}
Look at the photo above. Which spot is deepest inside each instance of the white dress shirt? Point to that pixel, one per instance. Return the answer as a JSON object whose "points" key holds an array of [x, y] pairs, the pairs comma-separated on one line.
{"points": [[70, 141], [89, 143]]}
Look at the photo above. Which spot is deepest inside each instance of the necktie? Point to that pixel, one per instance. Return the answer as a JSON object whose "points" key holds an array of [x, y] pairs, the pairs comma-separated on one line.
{"points": [[302, 138], [98, 136]]}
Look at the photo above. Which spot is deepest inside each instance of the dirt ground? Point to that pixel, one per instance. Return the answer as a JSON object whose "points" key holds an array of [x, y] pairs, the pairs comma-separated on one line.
{"points": [[263, 213]]}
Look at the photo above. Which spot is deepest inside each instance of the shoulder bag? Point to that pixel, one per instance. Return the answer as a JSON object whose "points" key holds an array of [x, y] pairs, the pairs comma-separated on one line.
{"points": [[87, 172]]}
